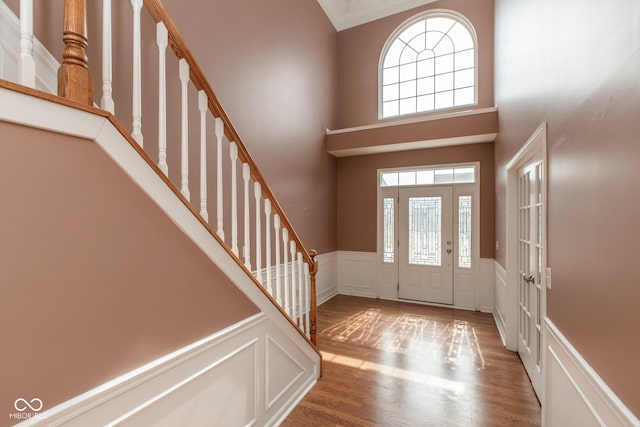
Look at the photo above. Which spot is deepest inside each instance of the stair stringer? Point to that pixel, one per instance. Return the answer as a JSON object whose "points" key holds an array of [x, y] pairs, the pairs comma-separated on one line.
{"points": [[31, 109]]}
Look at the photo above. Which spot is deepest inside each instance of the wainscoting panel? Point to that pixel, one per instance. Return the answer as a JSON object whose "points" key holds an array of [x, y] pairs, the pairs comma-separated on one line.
{"points": [[357, 273], [500, 298], [250, 373], [46, 65], [487, 285], [222, 393], [574, 393], [327, 277]]}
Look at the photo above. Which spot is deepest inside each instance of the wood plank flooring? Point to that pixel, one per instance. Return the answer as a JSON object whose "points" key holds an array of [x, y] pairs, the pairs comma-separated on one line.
{"points": [[388, 363]]}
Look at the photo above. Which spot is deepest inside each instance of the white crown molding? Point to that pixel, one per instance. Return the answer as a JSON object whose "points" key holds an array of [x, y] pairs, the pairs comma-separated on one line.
{"points": [[345, 14]]}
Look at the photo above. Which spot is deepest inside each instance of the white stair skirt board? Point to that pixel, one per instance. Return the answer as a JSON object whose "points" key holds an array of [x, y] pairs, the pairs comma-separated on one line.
{"points": [[246, 374], [46, 65], [37, 113], [575, 395]]}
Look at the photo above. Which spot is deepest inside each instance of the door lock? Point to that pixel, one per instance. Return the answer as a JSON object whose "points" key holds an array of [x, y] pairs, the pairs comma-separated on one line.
{"points": [[448, 251]]}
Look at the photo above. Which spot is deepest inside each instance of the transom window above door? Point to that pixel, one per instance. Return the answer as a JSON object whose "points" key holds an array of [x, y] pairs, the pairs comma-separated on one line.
{"points": [[434, 176], [428, 64]]}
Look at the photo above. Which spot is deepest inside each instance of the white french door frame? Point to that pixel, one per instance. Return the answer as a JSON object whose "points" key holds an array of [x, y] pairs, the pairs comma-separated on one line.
{"points": [[387, 273], [536, 145]]}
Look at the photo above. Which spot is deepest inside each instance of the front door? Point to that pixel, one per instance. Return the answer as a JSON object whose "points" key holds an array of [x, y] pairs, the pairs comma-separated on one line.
{"points": [[531, 251], [426, 244]]}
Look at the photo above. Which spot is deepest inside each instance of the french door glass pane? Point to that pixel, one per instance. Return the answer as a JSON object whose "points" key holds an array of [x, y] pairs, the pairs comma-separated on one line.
{"points": [[425, 230]]}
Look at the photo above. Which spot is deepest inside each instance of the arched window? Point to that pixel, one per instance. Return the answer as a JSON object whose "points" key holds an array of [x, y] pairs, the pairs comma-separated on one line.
{"points": [[428, 64]]}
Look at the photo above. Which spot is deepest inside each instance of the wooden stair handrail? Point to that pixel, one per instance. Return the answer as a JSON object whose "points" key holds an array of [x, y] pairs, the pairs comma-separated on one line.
{"points": [[182, 51]]}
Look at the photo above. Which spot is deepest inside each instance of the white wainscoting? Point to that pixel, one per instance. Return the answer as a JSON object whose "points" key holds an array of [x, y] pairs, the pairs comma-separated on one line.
{"points": [[500, 298], [357, 274], [247, 374], [360, 274], [487, 285], [574, 393], [46, 65], [327, 277]]}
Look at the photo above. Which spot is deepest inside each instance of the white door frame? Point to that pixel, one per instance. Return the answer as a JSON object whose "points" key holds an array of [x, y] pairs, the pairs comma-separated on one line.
{"points": [[536, 144], [387, 274]]}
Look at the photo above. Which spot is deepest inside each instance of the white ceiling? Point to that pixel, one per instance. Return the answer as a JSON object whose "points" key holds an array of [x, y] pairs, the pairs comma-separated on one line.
{"points": [[349, 13]]}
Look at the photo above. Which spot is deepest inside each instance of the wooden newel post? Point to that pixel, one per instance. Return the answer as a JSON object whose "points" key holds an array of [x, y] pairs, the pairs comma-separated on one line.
{"points": [[74, 78], [314, 308]]}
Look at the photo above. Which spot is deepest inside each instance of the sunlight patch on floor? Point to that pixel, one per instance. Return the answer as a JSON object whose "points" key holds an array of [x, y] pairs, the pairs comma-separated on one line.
{"points": [[411, 334], [450, 386]]}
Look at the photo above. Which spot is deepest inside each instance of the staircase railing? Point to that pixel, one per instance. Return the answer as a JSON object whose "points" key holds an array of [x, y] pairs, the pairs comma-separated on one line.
{"points": [[258, 234]]}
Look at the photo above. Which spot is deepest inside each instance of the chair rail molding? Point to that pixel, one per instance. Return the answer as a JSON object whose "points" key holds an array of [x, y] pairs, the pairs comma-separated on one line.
{"points": [[574, 392]]}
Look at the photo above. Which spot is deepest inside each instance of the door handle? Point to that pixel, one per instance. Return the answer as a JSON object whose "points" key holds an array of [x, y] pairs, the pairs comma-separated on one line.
{"points": [[448, 251], [529, 279]]}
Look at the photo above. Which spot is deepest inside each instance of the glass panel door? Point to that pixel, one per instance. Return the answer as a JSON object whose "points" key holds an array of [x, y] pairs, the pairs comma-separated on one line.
{"points": [[426, 249]]}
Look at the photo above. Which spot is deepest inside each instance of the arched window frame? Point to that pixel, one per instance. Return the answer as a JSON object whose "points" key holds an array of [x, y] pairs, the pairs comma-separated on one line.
{"points": [[398, 31]]}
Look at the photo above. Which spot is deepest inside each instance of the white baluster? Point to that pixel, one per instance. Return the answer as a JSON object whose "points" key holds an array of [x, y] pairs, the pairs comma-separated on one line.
{"points": [[267, 243], [285, 266], [246, 177], [2, 74], [162, 40], [106, 103], [233, 153], [219, 135], [294, 277], [184, 81], [258, 195], [307, 299], [203, 105], [137, 74], [276, 238], [27, 63], [300, 292]]}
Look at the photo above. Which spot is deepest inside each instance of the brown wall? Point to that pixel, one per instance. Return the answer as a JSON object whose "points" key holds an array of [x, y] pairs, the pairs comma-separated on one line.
{"points": [[359, 51], [273, 67], [94, 279], [358, 185], [576, 65], [274, 75]]}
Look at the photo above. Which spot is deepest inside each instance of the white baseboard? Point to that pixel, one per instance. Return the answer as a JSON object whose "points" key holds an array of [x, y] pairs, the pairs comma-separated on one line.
{"points": [[501, 326], [574, 393], [46, 65], [243, 375], [357, 274]]}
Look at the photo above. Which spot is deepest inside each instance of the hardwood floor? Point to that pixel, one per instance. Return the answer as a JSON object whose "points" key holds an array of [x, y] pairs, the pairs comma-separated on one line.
{"points": [[387, 363]]}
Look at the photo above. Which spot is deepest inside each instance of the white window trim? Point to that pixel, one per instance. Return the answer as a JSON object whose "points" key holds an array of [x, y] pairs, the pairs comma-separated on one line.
{"points": [[432, 12]]}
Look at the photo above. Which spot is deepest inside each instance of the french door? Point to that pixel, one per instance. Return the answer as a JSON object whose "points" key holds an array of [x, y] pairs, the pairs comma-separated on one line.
{"points": [[531, 260], [426, 244]]}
